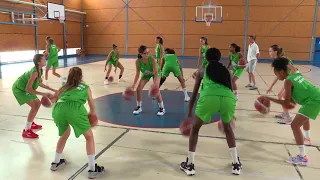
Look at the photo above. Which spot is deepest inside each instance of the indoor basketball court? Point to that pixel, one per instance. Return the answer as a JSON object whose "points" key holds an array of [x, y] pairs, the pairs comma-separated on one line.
{"points": [[147, 145]]}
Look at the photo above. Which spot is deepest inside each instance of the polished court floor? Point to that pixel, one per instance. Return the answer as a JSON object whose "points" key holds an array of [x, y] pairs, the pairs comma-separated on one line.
{"points": [[129, 152]]}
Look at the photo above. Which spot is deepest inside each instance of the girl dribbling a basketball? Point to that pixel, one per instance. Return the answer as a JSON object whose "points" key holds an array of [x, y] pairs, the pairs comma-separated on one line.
{"points": [[303, 93], [113, 60], [149, 69], [170, 63], [237, 70], [70, 110], [215, 96], [25, 91]]}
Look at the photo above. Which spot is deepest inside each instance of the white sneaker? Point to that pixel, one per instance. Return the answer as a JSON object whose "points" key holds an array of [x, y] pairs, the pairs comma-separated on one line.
{"points": [[186, 99], [137, 110], [106, 82], [161, 112]]}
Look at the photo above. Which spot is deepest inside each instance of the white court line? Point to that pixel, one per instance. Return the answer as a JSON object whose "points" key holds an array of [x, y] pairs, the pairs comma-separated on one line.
{"points": [[122, 158]]}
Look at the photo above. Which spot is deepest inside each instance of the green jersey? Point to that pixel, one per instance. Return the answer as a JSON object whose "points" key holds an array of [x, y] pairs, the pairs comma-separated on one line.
{"points": [[171, 60], [302, 91], [158, 51], [114, 56], [235, 60], [211, 88], [53, 51], [78, 94], [147, 69], [22, 81], [204, 50]]}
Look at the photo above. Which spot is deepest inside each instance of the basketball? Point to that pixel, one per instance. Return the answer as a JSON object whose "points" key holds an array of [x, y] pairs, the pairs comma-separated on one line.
{"points": [[242, 62], [185, 127], [128, 93], [220, 125], [93, 119], [292, 105], [262, 105], [110, 79], [46, 102], [154, 91]]}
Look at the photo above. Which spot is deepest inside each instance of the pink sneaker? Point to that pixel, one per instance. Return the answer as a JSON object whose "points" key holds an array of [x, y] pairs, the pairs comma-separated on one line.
{"points": [[307, 141], [299, 160]]}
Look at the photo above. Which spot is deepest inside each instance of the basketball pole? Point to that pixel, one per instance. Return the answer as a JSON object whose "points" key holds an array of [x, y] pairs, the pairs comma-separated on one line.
{"points": [[82, 27], [64, 35], [246, 29], [314, 28], [36, 29], [127, 27], [183, 26]]}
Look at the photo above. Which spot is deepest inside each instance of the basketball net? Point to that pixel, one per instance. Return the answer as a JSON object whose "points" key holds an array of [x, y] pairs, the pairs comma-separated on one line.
{"points": [[208, 19], [61, 19]]}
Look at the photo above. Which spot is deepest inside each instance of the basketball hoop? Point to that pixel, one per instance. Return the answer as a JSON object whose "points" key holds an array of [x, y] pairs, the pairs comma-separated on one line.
{"points": [[208, 17]]}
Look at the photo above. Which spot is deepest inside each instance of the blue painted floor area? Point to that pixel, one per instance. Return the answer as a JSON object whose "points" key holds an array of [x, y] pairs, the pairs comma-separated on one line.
{"points": [[115, 110]]}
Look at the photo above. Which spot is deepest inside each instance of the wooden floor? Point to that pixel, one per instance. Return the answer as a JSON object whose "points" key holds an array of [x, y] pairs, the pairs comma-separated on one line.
{"points": [[136, 153]]}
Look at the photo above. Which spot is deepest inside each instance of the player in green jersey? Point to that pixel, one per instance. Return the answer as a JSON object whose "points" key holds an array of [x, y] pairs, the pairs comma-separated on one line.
{"points": [[215, 96], [149, 68], [237, 70], [303, 93], [170, 63], [52, 51], [275, 52], [25, 92], [159, 49], [70, 110], [202, 54], [113, 60]]}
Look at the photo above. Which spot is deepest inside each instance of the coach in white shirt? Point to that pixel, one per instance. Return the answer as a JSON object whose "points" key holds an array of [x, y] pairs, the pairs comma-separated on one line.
{"points": [[252, 58]]}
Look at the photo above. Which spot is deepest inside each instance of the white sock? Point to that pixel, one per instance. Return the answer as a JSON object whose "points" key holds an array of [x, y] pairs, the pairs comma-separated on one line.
{"points": [[28, 125], [161, 105], [234, 154], [57, 158], [92, 163], [139, 103], [302, 150], [307, 134], [185, 92], [191, 157], [235, 92]]}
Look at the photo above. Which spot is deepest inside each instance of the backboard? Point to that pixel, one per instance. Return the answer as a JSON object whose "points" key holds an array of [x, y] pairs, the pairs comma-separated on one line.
{"points": [[214, 11], [56, 11]]}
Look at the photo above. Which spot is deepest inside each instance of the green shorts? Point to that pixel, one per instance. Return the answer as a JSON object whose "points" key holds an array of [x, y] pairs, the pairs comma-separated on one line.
{"points": [[168, 69], [22, 96], [114, 63], [75, 114], [204, 62], [311, 109], [147, 77], [238, 72], [207, 106], [53, 62]]}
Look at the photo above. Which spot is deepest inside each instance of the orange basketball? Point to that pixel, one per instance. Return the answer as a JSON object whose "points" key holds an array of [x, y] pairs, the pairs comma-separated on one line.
{"points": [[110, 78], [46, 102], [93, 119], [292, 105], [220, 125], [262, 105], [185, 127], [154, 91], [128, 93]]}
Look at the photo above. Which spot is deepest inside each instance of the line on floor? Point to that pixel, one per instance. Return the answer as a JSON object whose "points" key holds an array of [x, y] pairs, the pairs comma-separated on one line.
{"points": [[295, 166], [174, 166], [318, 148], [99, 154]]}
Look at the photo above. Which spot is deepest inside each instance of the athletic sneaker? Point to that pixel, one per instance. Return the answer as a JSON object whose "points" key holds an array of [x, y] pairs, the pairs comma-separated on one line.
{"points": [[285, 120], [281, 116], [106, 82], [236, 167], [249, 85], [29, 134], [299, 160], [188, 168], [186, 99], [253, 87], [99, 170], [137, 110], [307, 141], [56, 166], [35, 126], [161, 112]]}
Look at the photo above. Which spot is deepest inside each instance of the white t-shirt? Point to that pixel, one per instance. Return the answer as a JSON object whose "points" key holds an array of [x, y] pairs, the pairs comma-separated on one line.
{"points": [[253, 50]]}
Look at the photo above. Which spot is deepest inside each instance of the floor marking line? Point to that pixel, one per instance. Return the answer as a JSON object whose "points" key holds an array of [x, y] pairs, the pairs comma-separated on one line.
{"points": [[99, 154], [173, 165], [295, 166]]}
